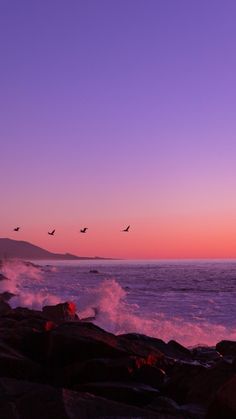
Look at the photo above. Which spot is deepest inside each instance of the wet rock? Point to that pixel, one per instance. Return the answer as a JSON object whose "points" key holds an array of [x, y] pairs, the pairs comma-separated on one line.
{"points": [[206, 354], [167, 406], [171, 349], [224, 404], [61, 312], [73, 342]]}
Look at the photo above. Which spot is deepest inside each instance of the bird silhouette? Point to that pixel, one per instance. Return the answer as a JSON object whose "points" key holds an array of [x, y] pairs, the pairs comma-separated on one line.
{"points": [[126, 230], [51, 233], [17, 229], [83, 230]]}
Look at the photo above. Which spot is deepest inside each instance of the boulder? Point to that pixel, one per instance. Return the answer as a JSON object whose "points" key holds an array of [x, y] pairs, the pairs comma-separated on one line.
{"points": [[126, 369], [130, 393], [206, 354], [146, 344], [224, 404], [73, 342], [5, 308], [180, 381], [62, 312], [205, 385], [25, 400], [227, 348], [14, 364]]}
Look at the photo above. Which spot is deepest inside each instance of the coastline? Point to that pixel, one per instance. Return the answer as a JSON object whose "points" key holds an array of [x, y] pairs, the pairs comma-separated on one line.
{"points": [[90, 373]]}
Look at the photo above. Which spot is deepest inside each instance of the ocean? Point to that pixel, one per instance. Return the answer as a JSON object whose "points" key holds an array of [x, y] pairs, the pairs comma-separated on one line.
{"points": [[192, 302]]}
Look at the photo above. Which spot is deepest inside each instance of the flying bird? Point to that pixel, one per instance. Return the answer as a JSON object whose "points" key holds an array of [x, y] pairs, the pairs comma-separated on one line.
{"points": [[17, 229], [83, 230], [126, 230], [51, 233]]}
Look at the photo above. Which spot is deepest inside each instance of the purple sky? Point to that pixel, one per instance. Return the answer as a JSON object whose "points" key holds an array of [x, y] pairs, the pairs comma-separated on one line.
{"points": [[114, 113]]}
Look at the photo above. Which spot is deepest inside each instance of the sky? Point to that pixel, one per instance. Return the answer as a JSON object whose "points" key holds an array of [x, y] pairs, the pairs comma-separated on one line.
{"points": [[116, 113]]}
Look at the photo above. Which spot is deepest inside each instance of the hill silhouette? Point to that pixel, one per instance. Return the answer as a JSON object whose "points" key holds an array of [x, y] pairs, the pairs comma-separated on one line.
{"points": [[24, 250]]}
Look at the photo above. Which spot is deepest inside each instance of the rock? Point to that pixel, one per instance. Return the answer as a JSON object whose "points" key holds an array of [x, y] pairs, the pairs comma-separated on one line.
{"points": [[14, 364], [61, 312], [206, 354], [227, 348], [171, 349], [107, 369], [99, 369], [174, 349], [129, 393], [73, 342], [167, 406], [93, 271], [25, 400], [205, 385], [4, 308], [224, 404], [180, 381], [150, 375]]}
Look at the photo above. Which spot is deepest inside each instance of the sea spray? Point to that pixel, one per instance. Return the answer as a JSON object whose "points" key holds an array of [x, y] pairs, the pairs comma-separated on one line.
{"points": [[17, 272], [107, 303], [193, 304]]}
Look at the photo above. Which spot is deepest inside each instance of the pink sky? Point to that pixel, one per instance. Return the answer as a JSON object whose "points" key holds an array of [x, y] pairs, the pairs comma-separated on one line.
{"points": [[117, 113]]}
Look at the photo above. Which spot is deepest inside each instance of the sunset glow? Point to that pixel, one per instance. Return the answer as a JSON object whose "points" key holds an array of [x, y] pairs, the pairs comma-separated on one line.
{"points": [[114, 114]]}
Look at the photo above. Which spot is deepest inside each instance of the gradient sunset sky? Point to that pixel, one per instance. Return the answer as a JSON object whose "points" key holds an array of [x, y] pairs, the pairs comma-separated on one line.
{"points": [[117, 112]]}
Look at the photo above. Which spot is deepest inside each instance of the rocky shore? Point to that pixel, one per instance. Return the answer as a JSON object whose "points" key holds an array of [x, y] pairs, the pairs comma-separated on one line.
{"points": [[53, 365]]}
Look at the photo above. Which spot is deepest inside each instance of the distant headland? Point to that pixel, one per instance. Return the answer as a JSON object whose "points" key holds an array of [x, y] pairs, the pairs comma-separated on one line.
{"points": [[24, 250]]}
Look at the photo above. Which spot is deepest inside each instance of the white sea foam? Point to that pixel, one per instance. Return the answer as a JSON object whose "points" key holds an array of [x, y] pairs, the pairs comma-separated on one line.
{"points": [[138, 300]]}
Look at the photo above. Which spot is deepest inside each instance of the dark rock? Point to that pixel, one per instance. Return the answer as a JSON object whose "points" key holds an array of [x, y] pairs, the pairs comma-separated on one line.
{"points": [[206, 354], [167, 406], [224, 404], [171, 349], [227, 348], [4, 308], [150, 375], [24, 400], [93, 271], [130, 393], [14, 364], [73, 342], [126, 369], [99, 369], [61, 312], [174, 349], [180, 382], [205, 385]]}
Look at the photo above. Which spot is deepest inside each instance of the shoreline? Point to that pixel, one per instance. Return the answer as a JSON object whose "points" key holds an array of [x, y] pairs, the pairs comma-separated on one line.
{"points": [[88, 370]]}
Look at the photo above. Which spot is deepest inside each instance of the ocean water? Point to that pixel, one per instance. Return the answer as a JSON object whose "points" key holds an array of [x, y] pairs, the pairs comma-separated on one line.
{"points": [[192, 302]]}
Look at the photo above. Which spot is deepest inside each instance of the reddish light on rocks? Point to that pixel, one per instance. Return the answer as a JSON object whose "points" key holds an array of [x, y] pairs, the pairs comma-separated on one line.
{"points": [[61, 312], [49, 325]]}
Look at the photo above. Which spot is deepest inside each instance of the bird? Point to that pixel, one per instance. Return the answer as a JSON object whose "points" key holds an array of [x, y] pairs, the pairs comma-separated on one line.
{"points": [[16, 228], [83, 230], [126, 230], [51, 233]]}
